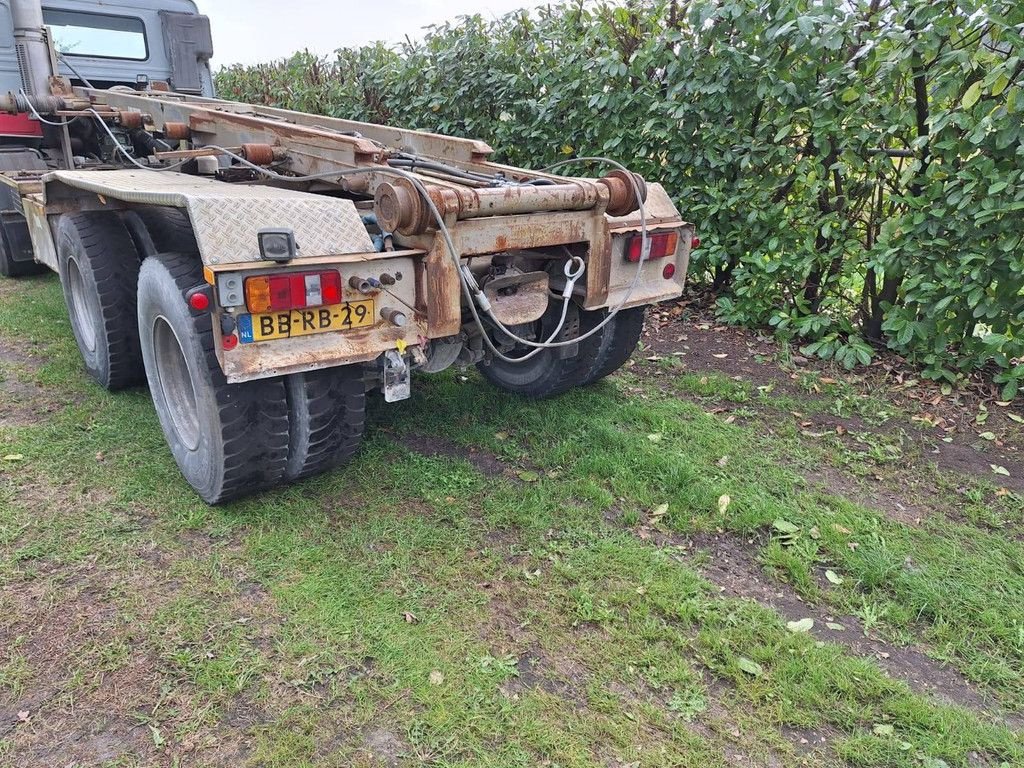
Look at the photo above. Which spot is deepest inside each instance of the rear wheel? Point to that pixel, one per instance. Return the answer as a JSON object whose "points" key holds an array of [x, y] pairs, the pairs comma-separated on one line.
{"points": [[99, 269], [326, 417], [618, 342], [551, 371], [159, 229], [229, 440]]}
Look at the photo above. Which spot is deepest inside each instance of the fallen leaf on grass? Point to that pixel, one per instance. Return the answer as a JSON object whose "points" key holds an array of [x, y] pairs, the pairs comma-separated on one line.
{"points": [[835, 626], [723, 461], [986, 435], [833, 577], [803, 625], [883, 729], [749, 666], [721, 356], [436, 677], [14, 457], [1000, 470], [655, 437], [1015, 417], [660, 510], [527, 476], [158, 738], [723, 503], [501, 435], [24, 716], [784, 526], [410, 618], [840, 528]]}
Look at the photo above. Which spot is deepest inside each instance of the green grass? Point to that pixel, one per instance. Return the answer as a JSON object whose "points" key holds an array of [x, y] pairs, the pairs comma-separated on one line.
{"points": [[410, 605]]}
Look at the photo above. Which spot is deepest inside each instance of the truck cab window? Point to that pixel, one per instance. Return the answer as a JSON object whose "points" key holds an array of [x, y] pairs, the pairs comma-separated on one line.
{"points": [[97, 35]]}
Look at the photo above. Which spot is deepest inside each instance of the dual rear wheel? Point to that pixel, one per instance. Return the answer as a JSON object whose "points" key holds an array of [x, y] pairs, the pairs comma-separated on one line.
{"points": [[127, 301], [555, 370]]}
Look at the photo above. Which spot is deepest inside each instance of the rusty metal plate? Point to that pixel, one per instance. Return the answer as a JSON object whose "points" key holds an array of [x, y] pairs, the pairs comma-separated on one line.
{"points": [[226, 217], [519, 298]]}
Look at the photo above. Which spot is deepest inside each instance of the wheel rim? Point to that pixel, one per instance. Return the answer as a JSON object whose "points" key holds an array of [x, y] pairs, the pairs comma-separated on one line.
{"points": [[85, 310], [176, 385]]}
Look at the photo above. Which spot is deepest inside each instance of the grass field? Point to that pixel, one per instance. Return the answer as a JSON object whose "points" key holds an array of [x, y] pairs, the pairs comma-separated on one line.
{"points": [[673, 568]]}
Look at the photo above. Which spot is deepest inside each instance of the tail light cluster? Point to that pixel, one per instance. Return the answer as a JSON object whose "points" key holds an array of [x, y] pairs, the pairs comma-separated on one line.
{"points": [[272, 293], [662, 244]]}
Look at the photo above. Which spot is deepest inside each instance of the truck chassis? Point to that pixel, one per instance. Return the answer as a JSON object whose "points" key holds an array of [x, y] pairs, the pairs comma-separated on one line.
{"points": [[262, 269]]}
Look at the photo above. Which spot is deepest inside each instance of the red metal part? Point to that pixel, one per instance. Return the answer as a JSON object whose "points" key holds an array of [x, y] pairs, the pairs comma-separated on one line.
{"points": [[19, 125]]}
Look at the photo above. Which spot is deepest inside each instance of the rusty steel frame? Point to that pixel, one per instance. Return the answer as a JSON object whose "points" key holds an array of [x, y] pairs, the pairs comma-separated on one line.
{"points": [[482, 220]]}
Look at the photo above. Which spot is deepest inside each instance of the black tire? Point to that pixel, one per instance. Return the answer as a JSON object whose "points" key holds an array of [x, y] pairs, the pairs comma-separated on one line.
{"points": [[551, 371], [229, 440], [160, 229], [326, 418], [99, 270], [618, 342]]}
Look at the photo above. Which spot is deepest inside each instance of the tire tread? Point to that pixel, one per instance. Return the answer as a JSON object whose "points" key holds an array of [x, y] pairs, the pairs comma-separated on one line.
{"points": [[252, 416], [107, 250]]}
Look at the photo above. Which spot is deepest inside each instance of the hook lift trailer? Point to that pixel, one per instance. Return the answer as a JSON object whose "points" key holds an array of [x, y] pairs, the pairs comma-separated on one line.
{"points": [[264, 269]]}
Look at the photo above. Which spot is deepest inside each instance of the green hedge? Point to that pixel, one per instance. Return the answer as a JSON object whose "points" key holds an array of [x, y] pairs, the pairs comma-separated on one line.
{"points": [[855, 168]]}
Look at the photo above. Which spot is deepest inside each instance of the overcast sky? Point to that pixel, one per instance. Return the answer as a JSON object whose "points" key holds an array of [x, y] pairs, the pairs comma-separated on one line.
{"points": [[250, 31]]}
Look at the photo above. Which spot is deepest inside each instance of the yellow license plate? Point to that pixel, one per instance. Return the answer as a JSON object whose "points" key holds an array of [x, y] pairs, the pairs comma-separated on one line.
{"points": [[303, 322]]}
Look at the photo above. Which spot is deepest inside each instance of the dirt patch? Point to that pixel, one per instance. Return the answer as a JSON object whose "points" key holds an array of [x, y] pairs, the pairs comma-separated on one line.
{"points": [[384, 746], [945, 428], [434, 447], [731, 566], [97, 683], [901, 509], [84, 674], [23, 401]]}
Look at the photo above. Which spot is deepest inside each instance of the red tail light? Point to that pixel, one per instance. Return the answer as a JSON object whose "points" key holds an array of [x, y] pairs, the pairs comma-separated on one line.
{"points": [[271, 293], [662, 244]]}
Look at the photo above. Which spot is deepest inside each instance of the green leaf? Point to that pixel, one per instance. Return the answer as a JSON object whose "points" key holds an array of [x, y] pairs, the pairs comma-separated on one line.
{"points": [[800, 626], [1002, 80], [972, 95], [850, 94], [833, 577], [883, 729], [784, 526], [782, 133], [749, 666]]}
